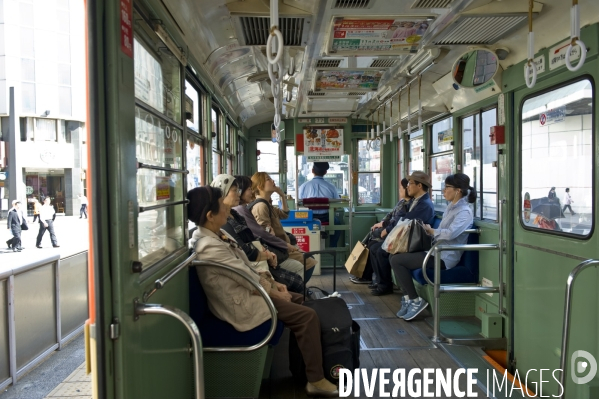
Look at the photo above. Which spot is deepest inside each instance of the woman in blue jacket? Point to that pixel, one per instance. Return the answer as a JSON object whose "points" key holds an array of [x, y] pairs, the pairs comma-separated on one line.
{"points": [[457, 218]]}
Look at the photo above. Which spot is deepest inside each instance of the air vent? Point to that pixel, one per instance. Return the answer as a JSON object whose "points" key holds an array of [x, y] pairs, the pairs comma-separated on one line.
{"points": [[383, 63], [352, 4], [480, 29], [256, 30], [356, 93], [328, 63], [312, 93], [431, 4]]}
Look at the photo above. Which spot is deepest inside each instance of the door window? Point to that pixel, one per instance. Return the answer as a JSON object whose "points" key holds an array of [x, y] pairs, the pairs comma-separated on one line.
{"points": [[557, 160]]}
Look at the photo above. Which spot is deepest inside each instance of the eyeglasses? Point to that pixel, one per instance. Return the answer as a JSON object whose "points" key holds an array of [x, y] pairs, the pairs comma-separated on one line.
{"points": [[413, 183], [448, 186]]}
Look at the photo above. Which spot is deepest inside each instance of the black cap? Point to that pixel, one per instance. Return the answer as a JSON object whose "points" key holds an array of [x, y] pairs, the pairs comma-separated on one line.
{"points": [[324, 166]]}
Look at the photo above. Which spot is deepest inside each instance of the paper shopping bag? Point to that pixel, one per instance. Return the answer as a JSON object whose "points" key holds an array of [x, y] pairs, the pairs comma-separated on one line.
{"points": [[356, 262]]}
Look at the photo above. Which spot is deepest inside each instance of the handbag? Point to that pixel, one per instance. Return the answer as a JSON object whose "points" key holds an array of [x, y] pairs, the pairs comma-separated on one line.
{"points": [[397, 240], [24, 226], [356, 262], [419, 240]]}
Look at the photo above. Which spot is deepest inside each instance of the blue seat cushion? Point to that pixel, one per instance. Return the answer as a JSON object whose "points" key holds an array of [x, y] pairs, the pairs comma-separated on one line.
{"points": [[465, 272], [216, 332]]}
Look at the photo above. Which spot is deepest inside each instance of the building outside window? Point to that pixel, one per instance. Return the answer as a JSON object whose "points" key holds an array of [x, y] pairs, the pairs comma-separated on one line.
{"points": [[369, 172], [217, 153], [441, 159]]}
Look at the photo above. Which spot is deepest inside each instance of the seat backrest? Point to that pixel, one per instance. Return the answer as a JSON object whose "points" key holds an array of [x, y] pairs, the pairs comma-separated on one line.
{"points": [[198, 302], [469, 259], [316, 203], [435, 223]]}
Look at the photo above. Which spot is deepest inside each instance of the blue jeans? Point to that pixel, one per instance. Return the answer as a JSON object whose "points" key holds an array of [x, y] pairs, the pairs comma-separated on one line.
{"points": [[325, 219]]}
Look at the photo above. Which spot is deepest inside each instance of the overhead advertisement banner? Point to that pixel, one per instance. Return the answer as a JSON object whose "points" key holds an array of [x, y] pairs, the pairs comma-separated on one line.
{"points": [[323, 144], [352, 79], [376, 36]]}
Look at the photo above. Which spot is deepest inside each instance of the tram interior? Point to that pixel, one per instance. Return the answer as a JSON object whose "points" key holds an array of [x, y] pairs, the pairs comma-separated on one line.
{"points": [[380, 89]]}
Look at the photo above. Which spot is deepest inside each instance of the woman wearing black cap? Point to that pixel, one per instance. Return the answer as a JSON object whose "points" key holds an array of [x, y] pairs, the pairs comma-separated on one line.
{"points": [[457, 218]]}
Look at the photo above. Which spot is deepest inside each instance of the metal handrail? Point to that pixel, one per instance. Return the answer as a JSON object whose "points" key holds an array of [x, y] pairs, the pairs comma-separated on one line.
{"points": [[469, 231], [331, 252], [438, 249], [567, 314], [160, 283], [194, 332], [261, 291]]}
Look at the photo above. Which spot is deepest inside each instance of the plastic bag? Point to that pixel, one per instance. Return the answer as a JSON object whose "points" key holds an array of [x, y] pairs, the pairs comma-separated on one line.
{"points": [[398, 239]]}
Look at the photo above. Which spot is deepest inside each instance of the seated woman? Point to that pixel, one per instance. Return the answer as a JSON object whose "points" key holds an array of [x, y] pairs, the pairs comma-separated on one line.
{"points": [[237, 229], [270, 217], [456, 219], [234, 300]]}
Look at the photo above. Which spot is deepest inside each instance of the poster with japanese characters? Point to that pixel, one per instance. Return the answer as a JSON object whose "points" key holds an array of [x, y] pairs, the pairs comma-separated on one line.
{"points": [[344, 80], [323, 144], [377, 36]]}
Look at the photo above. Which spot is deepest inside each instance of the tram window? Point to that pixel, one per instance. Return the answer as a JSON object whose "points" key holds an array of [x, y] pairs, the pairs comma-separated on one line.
{"points": [[229, 148], [441, 167], [476, 144], [337, 175], [240, 156], [442, 136], [157, 80], [268, 162], [217, 157], [195, 162], [290, 159], [369, 172], [557, 154], [192, 106], [416, 154]]}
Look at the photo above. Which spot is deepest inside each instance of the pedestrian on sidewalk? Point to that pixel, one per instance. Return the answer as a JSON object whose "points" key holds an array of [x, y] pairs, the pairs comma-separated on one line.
{"points": [[16, 223], [568, 202], [83, 210], [36, 209], [47, 216]]}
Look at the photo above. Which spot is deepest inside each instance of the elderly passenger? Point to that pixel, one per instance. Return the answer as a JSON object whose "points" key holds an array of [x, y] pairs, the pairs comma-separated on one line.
{"points": [[456, 219], [234, 300], [238, 229]]}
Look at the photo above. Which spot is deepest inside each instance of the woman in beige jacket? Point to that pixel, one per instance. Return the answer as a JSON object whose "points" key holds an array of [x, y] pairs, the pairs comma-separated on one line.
{"points": [[234, 300]]}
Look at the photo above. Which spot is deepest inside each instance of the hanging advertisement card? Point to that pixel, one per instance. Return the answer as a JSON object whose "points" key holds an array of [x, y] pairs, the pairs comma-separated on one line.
{"points": [[323, 144], [163, 188]]}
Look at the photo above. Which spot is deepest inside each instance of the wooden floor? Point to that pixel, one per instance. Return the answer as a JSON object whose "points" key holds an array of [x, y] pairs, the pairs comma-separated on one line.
{"points": [[386, 341]]}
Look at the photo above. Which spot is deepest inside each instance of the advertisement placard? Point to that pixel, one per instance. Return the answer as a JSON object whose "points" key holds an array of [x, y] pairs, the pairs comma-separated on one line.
{"points": [[323, 144]]}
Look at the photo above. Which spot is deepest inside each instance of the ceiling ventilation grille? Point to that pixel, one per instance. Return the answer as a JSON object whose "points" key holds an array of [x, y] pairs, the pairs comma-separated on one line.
{"points": [[312, 93], [383, 63], [356, 93], [351, 4], [431, 3], [480, 29], [328, 63], [256, 30]]}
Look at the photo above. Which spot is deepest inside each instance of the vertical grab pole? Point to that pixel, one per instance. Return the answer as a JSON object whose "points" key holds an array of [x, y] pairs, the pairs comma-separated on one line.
{"points": [[500, 205], [437, 310], [563, 363]]}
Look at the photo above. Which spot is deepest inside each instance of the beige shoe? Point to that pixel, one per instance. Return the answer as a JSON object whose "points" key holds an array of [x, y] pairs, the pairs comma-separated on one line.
{"points": [[322, 388]]}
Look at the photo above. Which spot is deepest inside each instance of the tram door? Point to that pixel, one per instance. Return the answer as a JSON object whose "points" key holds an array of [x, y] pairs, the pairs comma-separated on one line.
{"points": [[554, 191], [138, 202]]}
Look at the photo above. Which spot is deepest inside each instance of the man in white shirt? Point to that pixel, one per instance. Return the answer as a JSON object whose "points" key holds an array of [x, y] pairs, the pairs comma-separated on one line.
{"points": [[47, 215], [83, 210]]}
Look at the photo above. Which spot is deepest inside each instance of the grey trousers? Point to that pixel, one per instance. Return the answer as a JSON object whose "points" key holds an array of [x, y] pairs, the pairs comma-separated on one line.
{"points": [[403, 264]]}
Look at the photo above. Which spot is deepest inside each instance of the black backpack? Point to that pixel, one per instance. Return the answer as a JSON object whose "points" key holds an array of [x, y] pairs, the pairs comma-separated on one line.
{"points": [[340, 340]]}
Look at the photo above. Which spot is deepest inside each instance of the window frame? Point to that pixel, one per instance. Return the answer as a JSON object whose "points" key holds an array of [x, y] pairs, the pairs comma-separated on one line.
{"points": [[428, 162], [357, 192], [479, 179], [409, 149], [593, 171], [218, 150]]}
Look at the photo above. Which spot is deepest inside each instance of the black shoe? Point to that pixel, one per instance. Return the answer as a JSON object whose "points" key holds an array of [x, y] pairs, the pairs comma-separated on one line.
{"points": [[378, 292], [56, 246], [373, 286], [8, 244], [359, 280], [38, 246]]}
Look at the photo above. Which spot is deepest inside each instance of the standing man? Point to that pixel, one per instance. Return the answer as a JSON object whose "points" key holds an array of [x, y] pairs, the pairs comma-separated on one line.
{"points": [[318, 187], [15, 220], [83, 210], [47, 216]]}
